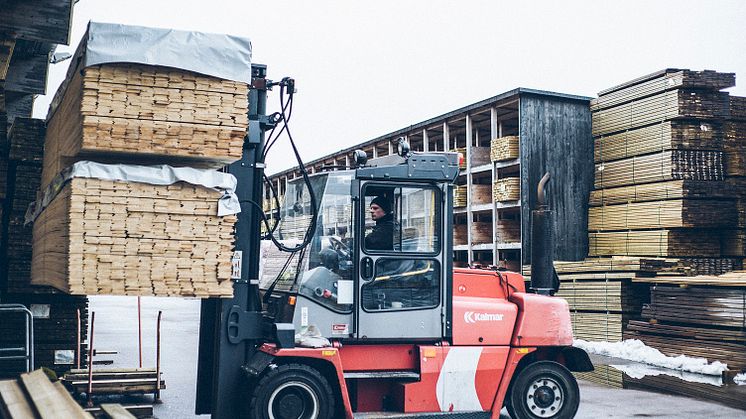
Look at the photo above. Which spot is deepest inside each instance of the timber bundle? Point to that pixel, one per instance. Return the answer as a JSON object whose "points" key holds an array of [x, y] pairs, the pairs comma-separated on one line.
{"points": [[108, 234]]}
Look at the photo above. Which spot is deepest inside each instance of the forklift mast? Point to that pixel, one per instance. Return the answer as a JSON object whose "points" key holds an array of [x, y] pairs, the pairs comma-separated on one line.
{"points": [[231, 328]]}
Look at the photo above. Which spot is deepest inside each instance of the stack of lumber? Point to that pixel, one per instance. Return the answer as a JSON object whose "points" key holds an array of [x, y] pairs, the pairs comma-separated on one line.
{"points": [[701, 316], [161, 240], [115, 381], [131, 112], [506, 189], [481, 194], [735, 148], [663, 214], [33, 395], [481, 232], [504, 148], [675, 189], [508, 231], [730, 395], [459, 196], [660, 167], [480, 156], [55, 329], [459, 234], [21, 182], [293, 227], [604, 375], [675, 243]]}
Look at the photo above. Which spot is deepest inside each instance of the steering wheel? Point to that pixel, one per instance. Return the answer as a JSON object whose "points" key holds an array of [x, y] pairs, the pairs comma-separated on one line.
{"points": [[340, 248]]}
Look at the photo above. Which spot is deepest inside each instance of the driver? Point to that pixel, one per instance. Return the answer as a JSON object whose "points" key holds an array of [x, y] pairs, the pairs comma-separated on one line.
{"points": [[382, 236]]}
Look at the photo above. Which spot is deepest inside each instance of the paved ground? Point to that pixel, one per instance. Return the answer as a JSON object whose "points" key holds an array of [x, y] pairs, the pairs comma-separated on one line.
{"points": [[116, 328]]}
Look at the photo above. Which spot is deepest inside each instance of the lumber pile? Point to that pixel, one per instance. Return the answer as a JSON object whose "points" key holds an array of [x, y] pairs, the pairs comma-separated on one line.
{"points": [[508, 231], [33, 395], [729, 395], [21, 164], [663, 214], [115, 381], [660, 167], [99, 234], [506, 189], [480, 156], [55, 330], [504, 148], [481, 194], [675, 243], [481, 232], [135, 112], [165, 240], [459, 196]]}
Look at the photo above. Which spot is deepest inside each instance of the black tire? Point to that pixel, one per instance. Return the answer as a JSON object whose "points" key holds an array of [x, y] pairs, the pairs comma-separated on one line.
{"points": [[542, 390], [292, 391]]}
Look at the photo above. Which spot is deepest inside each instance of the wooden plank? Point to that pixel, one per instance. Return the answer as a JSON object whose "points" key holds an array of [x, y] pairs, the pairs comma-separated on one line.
{"points": [[46, 397], [13, 402], [28, 67], [73, 406], [40, 20], [116, 411], [6, 52]]}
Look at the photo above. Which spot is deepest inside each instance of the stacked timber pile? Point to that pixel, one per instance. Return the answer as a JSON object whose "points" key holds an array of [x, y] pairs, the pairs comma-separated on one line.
{"points": [[459, 196], [504, 148], [33, 395], [115, 381], [55, 330], [128, 229], [660, 167], [22, 161], [506, 189]]}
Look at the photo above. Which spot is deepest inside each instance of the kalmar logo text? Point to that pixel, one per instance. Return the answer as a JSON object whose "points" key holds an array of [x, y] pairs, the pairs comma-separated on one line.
{"points": [[472, 317]]}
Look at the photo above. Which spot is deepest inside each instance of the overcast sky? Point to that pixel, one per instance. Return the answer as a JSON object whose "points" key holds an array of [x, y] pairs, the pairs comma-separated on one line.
{"points": [[364, 69]]}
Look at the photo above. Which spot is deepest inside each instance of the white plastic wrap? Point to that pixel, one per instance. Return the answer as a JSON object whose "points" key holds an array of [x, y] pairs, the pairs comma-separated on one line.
{"points": [[155, 175]]}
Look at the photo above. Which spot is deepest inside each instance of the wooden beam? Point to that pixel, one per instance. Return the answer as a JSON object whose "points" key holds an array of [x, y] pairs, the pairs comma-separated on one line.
{"points": [[28, 71], [38, 20], [6, 52]]}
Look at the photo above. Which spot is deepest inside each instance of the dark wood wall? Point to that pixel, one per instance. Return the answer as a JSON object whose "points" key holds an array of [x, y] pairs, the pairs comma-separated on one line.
{"points": [[555, 135]]}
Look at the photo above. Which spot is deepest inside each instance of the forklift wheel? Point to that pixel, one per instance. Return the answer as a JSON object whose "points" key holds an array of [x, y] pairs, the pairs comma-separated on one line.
{"points": [[544, 389], [292, 391]]}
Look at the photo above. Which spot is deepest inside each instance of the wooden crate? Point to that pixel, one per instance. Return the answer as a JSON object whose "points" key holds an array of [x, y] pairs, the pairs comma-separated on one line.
{"points": [[120, 238], [481, 194], [676, 243], [504, 148], [668, 165], [668, 135], [459, 234], [136, 112], [663, 214], [507, 189], [480, 156]]}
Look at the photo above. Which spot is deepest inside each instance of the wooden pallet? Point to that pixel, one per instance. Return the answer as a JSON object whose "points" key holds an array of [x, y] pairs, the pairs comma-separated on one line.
{"points": [[506, 189], [674, 104], [668, 135], [664, 166], [135, 112], [106, 237], [34, 396], [114, 381], [673, 189], [504, 148], [663, 214], [674, 243]]}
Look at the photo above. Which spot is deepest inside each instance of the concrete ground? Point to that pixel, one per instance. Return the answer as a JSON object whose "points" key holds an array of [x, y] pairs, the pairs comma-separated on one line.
{"points": [[116, 329]]}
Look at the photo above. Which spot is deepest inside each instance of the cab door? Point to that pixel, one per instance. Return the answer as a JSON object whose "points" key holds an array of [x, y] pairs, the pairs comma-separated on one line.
{"points": [[400, 281]]}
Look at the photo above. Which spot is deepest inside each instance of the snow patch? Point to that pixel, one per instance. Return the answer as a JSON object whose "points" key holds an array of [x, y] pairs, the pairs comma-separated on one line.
{"points": [[642, 370], [740, 379], [635, 350]]}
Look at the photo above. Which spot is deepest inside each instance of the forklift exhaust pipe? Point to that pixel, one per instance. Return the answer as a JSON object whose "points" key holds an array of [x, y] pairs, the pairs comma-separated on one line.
{"points": [[542, 268]]}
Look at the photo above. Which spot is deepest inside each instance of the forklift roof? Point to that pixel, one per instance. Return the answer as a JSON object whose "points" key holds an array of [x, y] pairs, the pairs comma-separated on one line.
{"points": [[428, 167]]}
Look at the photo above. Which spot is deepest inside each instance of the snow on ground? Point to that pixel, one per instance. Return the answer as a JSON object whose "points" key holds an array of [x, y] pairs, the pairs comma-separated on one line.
{"points": [[642, 370], [740, 379], [635, 350]]}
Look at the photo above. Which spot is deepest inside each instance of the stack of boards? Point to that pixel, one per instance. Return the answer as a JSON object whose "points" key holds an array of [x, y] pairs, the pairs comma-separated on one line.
{"points": [[114, 237], [662, 165], [504, 148], [506, 189]]}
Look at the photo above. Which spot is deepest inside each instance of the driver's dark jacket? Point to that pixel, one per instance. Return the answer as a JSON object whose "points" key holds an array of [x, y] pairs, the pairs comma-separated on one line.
{"points": [[382, 236]]}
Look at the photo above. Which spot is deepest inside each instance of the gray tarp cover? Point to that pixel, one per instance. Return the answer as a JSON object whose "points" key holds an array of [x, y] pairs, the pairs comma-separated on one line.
{"points": [[154, 175], [224, 56]]}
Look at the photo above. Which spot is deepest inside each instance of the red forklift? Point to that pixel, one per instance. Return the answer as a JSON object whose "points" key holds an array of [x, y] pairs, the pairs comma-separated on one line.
{"points": [[367, 317]]}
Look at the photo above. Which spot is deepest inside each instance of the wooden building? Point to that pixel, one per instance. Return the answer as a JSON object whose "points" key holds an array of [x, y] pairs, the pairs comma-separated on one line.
{"points": [[553, 131]]}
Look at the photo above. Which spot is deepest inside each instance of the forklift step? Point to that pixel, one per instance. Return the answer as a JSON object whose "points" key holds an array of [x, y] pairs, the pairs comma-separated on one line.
{"points": [[432, 415], [399, 375]]}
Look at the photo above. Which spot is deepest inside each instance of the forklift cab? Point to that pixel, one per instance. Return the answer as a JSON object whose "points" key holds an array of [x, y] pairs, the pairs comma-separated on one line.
{"points": [[379, 262]]}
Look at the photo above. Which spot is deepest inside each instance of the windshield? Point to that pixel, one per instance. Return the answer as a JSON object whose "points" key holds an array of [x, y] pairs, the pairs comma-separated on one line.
{"points": [[328, 257]]}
